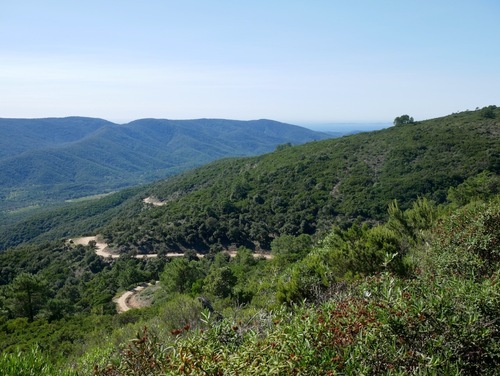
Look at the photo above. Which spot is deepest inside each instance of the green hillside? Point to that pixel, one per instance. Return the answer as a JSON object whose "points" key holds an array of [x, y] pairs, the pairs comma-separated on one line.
{"points": [[51, 160], [306, 188], [22, 135], [384, 259], [68, 220], [300, 189]]}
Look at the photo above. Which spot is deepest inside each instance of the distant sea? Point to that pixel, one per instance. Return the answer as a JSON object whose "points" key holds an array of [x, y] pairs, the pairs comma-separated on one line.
{"points": [[346, 128]]}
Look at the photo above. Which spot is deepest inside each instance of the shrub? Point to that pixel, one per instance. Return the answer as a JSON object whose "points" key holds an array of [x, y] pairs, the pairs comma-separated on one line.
{"points": [[469, 240], [29, 363]]}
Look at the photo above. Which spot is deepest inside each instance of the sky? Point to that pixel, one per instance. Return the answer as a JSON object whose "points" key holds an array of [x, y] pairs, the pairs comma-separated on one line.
{"points": [[302, 62]]}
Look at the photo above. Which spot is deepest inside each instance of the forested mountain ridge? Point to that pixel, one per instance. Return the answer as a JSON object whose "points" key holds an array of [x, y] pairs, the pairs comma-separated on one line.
{"points": [[294, 190], [306, 188], [50, 160], [21, 135], [409, 289]]}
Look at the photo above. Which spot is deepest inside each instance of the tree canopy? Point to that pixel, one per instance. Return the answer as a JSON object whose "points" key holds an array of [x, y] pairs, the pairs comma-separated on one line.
{"points": [[403, 119]]}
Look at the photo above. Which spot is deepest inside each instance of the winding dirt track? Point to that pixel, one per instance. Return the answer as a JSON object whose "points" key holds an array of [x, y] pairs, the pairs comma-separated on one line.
{"points": [[124, 301], [101, 247], [103, 250]]}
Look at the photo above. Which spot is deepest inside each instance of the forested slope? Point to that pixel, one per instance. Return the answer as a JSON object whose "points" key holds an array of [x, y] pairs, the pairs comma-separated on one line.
{"points": [[306, 188], [294, 190], [68, 220], [409, 288], [50, 160], [417, 294]]}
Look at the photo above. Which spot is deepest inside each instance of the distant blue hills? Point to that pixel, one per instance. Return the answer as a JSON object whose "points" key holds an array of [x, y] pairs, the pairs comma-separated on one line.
{"points": [[54, 159]]}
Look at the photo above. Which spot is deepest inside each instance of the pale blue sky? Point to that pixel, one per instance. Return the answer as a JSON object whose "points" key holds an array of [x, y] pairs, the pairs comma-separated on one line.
{"points": [[302, 62]]}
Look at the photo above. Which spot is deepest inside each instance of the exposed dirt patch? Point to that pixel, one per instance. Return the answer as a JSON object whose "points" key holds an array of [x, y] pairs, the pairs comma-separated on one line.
{"points": [[101, 247], [153, 201], [267, 256]]}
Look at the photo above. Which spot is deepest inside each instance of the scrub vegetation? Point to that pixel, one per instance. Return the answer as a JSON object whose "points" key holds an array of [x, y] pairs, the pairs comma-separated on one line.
{"points": [[372, 271]]}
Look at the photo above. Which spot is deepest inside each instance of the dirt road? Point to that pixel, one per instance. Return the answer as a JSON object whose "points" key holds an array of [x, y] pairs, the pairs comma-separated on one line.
{"points": [[101, 247], [126, 302], [103, 250]]}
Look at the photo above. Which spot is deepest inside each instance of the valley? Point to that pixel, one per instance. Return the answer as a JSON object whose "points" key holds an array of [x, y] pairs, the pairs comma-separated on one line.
{"points": [[249, 188], [49, 161], [373, 253]]}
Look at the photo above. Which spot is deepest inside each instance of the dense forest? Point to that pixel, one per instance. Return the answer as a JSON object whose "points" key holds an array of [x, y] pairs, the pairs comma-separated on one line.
{"points": [[385, 260]]}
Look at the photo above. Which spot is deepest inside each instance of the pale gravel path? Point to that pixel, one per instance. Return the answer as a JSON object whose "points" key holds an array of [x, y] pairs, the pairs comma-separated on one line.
{"points": [[101, 247], [103, 250], [124, 301]]}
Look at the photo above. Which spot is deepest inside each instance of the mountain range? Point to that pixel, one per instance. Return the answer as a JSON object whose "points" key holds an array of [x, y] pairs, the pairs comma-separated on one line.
{"points": [[56, 159], [374, 253], [293, 190]]}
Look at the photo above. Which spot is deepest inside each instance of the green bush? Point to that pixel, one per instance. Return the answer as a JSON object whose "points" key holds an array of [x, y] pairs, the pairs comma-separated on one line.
{"points": [[343, 255], [469, 240], [29, 363], [442, 320]]}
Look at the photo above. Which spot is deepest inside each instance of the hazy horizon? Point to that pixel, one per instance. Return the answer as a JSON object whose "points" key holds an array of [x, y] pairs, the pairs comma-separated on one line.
{"points": [[341, 127], [291, 61]]}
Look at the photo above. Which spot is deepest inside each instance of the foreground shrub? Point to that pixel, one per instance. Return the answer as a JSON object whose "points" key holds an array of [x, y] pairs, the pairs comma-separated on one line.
{"points": [[468, 241], [443, 320], [344, 255], [392, 326], [28, 363], [446, 325]]}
